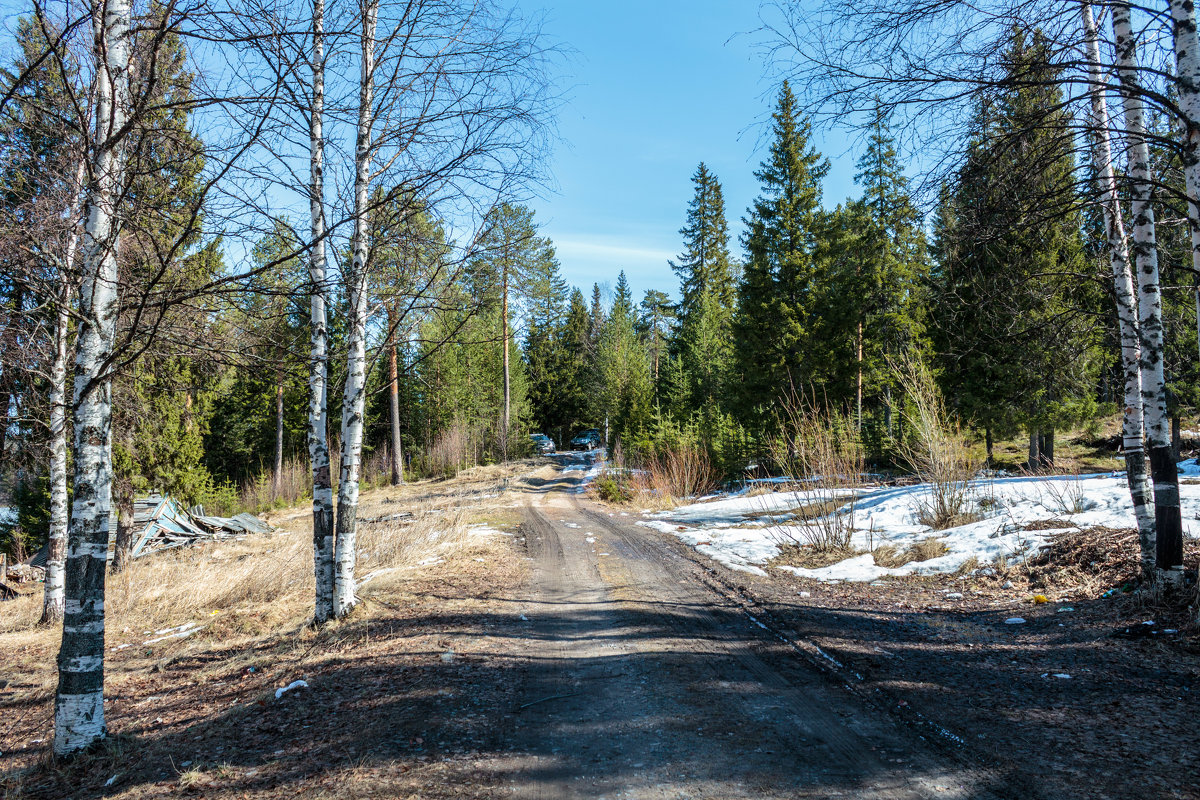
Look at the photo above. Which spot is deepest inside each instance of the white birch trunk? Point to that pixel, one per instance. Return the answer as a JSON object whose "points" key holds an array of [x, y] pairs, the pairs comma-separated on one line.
{"points": [[79, 702], [1133, 432], [277, 478], [506, 419], [1187, 70], [1168, 521], [353, 400], [394, 405], [56, 545], [318, 365]]}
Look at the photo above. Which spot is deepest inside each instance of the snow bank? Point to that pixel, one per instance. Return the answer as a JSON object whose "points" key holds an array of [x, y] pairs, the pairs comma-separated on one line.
{"points": [[745, 533]]}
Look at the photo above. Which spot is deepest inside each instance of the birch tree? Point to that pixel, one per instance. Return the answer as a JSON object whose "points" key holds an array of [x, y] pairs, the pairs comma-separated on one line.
{"points": [[56, 547], [1187, 75], [1132, 424], [1163, 470], [354, 396], [79, 701], [318, 374]]}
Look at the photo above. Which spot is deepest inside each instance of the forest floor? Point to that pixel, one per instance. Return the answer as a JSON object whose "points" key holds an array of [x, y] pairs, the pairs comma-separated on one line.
{"points": [[552, 648]]}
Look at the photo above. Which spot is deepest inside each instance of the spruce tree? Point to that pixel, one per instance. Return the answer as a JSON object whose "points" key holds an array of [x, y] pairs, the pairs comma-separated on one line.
{"points": [[889, 271], [778, 303], [624, 392], [708, 289], [1015, 325], [705, 264], [655, 320]]}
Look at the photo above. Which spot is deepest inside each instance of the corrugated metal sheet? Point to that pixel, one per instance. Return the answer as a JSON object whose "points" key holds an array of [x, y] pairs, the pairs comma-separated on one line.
{"points": [[161, 523]]}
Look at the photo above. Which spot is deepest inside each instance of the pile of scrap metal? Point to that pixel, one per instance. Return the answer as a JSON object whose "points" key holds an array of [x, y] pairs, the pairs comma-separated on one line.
{"points": [[13, 575], [160, 523]]}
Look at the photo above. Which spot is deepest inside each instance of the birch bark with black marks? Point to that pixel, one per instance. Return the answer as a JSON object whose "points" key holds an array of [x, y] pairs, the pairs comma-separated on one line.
{"points": [[1187, 74], [1132, 425], [1168, 522], [318, 362], [506, 419], [394, 403], [277, 478], [354, 397], [56, 542], [79, 700], [56, 545]]}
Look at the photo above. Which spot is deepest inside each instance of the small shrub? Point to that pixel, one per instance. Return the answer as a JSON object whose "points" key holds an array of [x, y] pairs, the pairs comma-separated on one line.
{"points": [[612, 488], [937, 452], [682, 471], [816, 447], [1066, 496]]}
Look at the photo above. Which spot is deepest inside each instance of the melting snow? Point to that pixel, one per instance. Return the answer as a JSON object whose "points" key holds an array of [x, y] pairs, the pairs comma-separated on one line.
{"points": [[745, 533]]}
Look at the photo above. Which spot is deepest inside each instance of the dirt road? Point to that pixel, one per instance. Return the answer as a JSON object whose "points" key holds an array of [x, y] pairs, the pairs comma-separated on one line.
{"points": [[646, 682], [578, 656]]}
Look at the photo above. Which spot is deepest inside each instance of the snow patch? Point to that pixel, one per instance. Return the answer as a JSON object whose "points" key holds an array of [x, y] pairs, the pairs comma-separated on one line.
{"points": [[745, 533]]}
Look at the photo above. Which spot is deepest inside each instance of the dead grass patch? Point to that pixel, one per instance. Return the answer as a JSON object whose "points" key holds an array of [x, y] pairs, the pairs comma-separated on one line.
{"points": [[251, 596], [891, 557], [809, 557]]}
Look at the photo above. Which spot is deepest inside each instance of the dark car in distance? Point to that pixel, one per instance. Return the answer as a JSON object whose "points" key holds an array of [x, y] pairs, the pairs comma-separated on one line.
{"points": [[588, 439], [542, 443]]}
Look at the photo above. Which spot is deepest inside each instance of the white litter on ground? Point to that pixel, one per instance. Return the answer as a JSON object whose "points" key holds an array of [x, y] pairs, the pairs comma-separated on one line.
{"points": [[280, 692], [181, 632], [745, 533]]}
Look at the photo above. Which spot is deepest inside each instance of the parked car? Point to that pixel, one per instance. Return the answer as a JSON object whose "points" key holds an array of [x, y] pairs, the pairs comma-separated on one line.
{"points": [[542, 443], [588, 439]]}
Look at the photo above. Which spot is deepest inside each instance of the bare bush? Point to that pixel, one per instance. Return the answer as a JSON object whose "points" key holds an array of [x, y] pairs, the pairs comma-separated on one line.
{"points": [[273, 490], [681, 471], [817, 448], [1066, 496], [450, 452], [937, 452]]}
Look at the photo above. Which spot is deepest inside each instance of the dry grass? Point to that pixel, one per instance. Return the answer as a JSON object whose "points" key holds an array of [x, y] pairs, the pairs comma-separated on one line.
{"points": [[795, 555], [890, 556], [244, 592]]}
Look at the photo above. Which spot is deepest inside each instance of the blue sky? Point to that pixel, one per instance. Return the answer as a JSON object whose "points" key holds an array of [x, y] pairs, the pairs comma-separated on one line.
{"points": [[654, 88]]}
